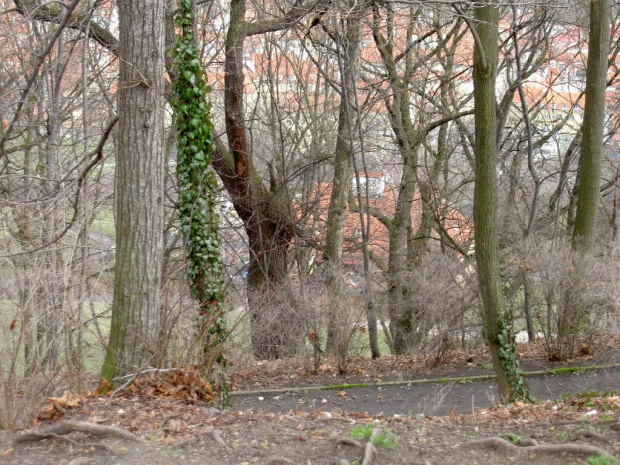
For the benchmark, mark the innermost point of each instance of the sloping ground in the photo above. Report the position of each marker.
(174, 423)
(177, 433)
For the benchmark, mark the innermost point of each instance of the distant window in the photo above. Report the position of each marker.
(565, 106)
(554, 106)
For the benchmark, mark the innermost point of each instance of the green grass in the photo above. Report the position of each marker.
(512, 438)
(562, 371)
(11, 341)
(104, 223)
(385, 438)
(602, 460)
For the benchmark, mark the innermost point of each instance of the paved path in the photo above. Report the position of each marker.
(435, 398)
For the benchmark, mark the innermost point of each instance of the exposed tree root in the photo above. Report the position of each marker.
(591, 434)
(350, 441)
(280, 461)
(184, 443)
(217, 437)
(81, 461)
(552, 448)
(70, 426)
(370, 450)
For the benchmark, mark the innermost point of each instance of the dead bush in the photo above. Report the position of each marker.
(568, 296)
(443, 298)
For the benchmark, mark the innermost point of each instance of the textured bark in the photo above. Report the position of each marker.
(265, 217)
(139, 183)
(593, 127)
(485, 191)
(265, 212)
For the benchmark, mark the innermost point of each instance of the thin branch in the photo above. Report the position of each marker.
(46, 51)
(474, 33)
(81, 178)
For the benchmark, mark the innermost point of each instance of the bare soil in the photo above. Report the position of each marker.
(432, 422)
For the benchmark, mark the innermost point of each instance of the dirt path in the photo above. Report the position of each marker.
(431, 399)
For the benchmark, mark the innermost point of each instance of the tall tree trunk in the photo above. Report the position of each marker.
(139, 182)
(265, 213)
(589, 176)
(593, 127)
(497, 324)
(338, 330)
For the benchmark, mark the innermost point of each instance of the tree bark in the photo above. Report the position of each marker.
(593, 127)
(139, 181)
(497, 324)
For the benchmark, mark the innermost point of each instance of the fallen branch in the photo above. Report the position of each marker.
(370, 447)
(70, 426)
(542, 448)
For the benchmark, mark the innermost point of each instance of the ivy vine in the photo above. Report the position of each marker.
(508, 355)
(509, 359)
(197, 190)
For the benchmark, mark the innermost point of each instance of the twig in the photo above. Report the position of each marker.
(35, 72)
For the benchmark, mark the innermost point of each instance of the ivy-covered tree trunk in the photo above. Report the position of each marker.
(139, 182)
(497, 322)
(197, 195)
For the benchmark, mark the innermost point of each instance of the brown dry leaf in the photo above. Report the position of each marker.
(342, 393)
(62, 401)
(48, 412)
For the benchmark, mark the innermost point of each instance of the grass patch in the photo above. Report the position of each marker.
(512, 438)
(602, 460)
(385, 438)
(561, 371)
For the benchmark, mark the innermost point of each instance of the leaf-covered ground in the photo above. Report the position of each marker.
(172, 417)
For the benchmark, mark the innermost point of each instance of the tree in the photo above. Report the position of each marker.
(264, 211)
(593, 127)
(139, 183)
(589, 176)
(338, 333)
(497, 322)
